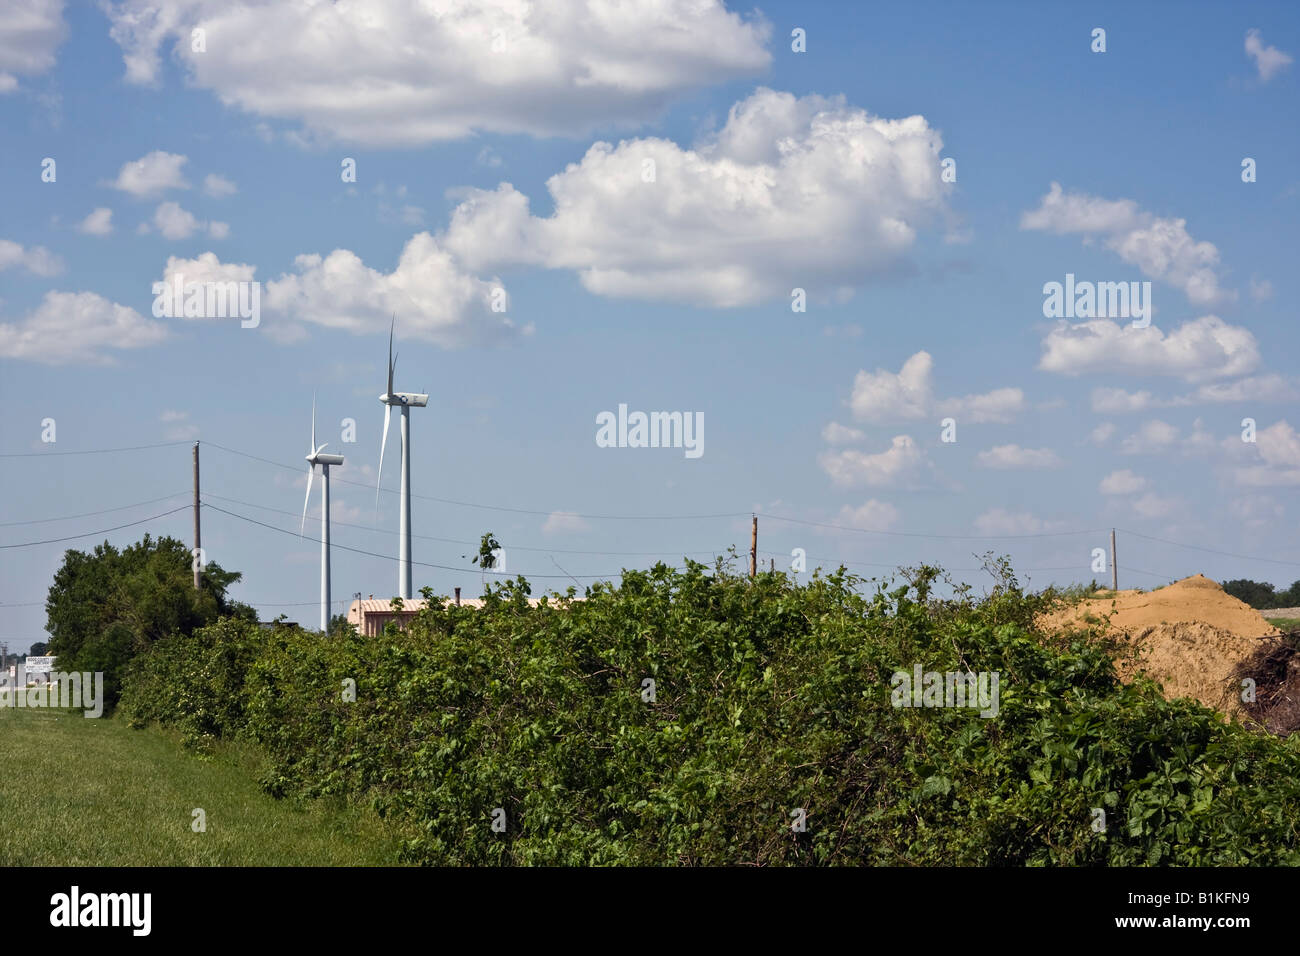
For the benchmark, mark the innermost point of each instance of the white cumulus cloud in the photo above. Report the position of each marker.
(384, 73)
(218, 186)
(1122, 482)
(1276, 454)
(903, 462)
(154, 173)
(433, 299)
(871, 515)
(37, 259)
(563, 522)
(1268, 59)
(30, 34)
(793, 192)
(1000, 521)
(1199, 350)
(1102, 433)
(78, 328)
(1161, 248)
(1009, 457)
(98, 223)
(836, 434)
(908, 395)
(175, 222)
(1158, 437)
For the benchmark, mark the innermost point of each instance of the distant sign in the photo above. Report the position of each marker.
(40, 665)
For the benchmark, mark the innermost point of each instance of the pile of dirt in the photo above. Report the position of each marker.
(1191, 637)
(1194, 600)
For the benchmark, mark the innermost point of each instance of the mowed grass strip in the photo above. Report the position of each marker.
(78, 792)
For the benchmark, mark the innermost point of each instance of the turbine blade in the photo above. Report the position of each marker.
(382, 445)
(311, 473)
(313, 421)
(390, 355)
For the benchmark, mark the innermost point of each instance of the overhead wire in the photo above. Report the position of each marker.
(91, 514)
(95, 451)
(429, 537)
(92, 534)
(585, 516)
(471, 504)
(389, 557)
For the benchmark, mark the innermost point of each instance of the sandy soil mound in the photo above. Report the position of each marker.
(1194, 600)
(1193, 660)
(1190, 636)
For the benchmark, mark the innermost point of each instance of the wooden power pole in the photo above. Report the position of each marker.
(753, 548)
(198, 540)
(1114, 568)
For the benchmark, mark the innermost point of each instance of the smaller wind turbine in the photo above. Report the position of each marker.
(314, 458)
(406, 401)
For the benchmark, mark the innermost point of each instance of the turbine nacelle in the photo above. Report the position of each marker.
(313, 459)
(413, 399)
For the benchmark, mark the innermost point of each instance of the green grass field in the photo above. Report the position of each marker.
(78, 792)
(1283, 623)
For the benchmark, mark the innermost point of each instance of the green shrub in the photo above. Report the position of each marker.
(768, 698)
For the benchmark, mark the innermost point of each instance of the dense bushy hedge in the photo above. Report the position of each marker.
(768, 697)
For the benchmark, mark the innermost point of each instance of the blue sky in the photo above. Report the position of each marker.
(775, 170)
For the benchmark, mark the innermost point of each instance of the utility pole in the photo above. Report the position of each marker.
(753, 548)
(1114, 568)
(198, 540)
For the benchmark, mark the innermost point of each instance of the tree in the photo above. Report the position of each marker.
(107, 606)
(38, 649)
(1258, 594)
(340, 626)
(486, 558)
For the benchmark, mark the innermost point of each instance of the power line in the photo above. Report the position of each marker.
(596, 517)
(92, 534)
(471, 504)
(1229, 554)
(917, 534)
(289, 603)
(738, 514)
(429, 537)
(822, 560)
(91, 514)
(389, 557)
(95, 451)
(1167, 577)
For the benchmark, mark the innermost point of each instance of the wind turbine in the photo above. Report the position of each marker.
(407, 401)
(314, 458)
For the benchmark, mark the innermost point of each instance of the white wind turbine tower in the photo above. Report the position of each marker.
(315, 458)
(407, 401)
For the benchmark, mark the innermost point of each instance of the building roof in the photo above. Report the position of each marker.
(380, 606)
(370, 615)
